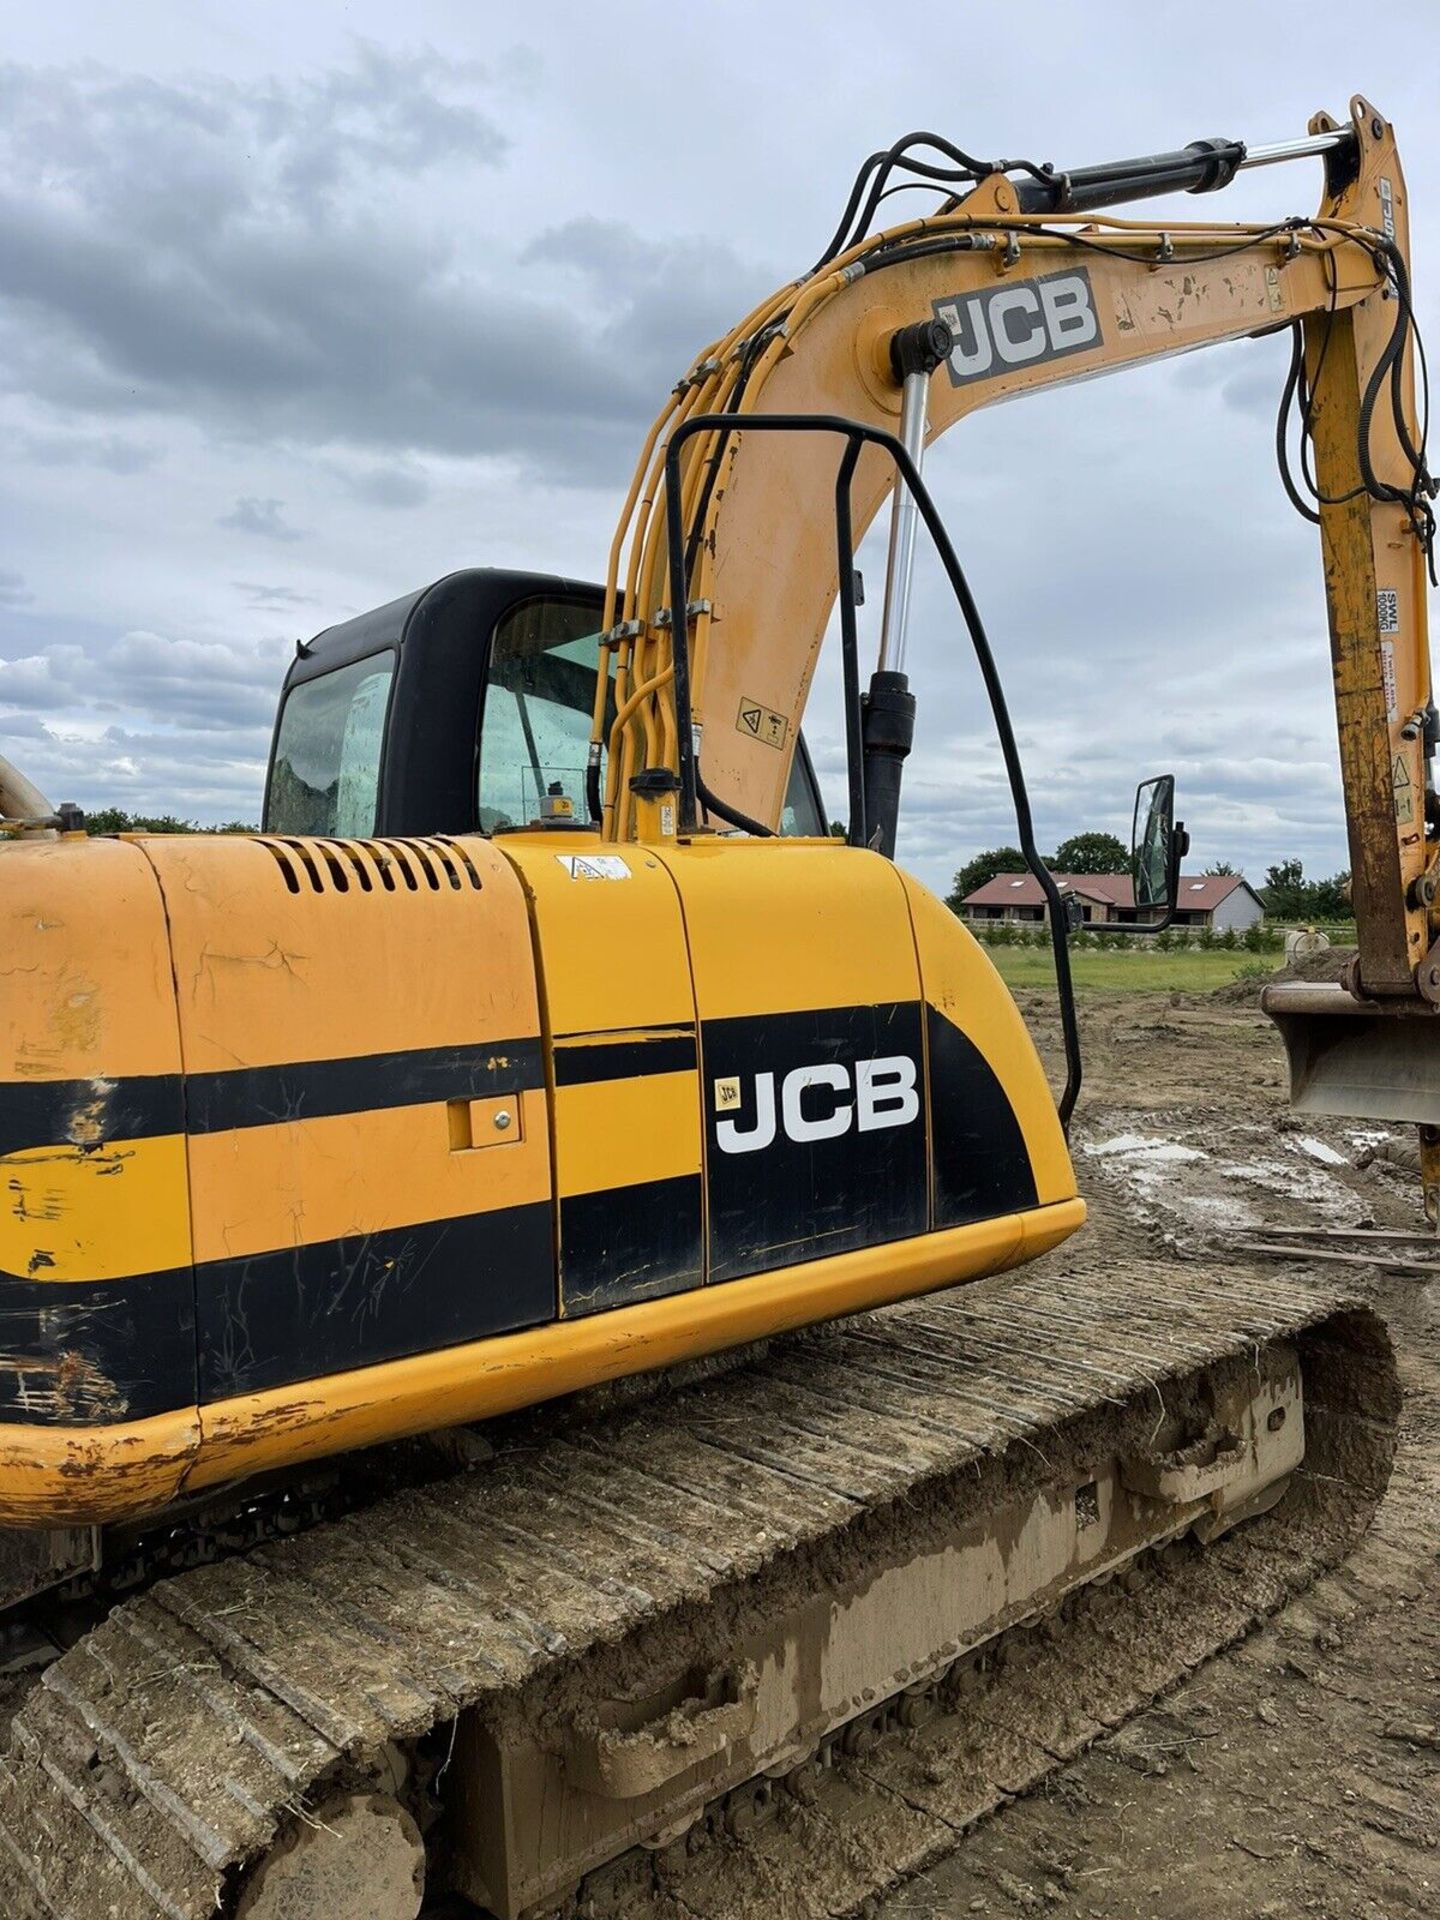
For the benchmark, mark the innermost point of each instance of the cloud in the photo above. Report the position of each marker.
(110, 451)
(265, 258)
(254, 515)
(258, 595)
(149, 772)
(13, 592)
(389, 486)
(150, 722)
(41, 681)
(199, 697)
(206, 685)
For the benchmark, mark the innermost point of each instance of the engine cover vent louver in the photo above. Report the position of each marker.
(372, 866)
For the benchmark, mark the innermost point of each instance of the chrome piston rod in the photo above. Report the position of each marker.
(1312, 144)
(904, 521)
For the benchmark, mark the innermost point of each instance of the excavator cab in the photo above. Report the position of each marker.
(463, 708)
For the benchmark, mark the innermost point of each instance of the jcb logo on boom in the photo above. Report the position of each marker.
(1020, 324)
(820, 1103)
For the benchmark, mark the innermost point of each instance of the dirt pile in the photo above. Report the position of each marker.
(1329, 965)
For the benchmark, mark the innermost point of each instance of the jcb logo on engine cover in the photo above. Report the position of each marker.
(1020, 323)
(815, 1133)
(819, 1103)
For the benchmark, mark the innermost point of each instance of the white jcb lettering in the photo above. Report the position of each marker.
(972, 353)
(1015, 321)
(1020, 324)
(815, 1126)
(885, 1094)
(733, 1139)
(1069, 314)
(814, 1103)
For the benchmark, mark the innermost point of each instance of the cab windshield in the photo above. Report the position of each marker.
(535, 728)
(535, 733)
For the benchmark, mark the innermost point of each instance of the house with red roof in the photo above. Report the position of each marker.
(1214, 900)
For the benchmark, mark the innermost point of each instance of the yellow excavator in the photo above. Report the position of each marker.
(545, 1046)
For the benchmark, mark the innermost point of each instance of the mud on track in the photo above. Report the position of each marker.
(1299, 1774)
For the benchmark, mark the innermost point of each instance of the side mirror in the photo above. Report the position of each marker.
(1157, 845)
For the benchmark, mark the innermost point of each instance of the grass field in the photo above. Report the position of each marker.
(1131, 969)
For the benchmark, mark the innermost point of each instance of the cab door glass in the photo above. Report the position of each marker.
(539, 698)
(326, 775)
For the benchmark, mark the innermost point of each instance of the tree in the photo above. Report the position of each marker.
(116, 820)
(1222, 869)
(1090, 853)
(1330, 899)
(1288, 895)
(1285, 893)
(984, 867)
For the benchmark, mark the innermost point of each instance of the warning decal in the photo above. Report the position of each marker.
(762, 723)
(594, 866)
(1404, 791)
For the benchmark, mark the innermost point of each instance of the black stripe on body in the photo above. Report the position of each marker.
(363, 1083)
(580, 1064)
(298, 1314)
(93, 1353)
(100, 1352)
(630, 1243)
(980, 1161)
(87, 1113)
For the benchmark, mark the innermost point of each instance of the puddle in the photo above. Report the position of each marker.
(1145, 1148)
(1196, 1185)
(1318, 1150)
(1229, 1210)
(1306, 1186)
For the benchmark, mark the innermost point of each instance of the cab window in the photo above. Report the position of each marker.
(535, 730)
(802, 816)
(326, 773)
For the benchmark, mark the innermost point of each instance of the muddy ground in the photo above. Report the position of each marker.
(1300, 1773)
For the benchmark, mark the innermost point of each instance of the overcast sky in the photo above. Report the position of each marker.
(304, 306)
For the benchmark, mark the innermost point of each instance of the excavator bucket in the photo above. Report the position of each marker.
(1366, 1059)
